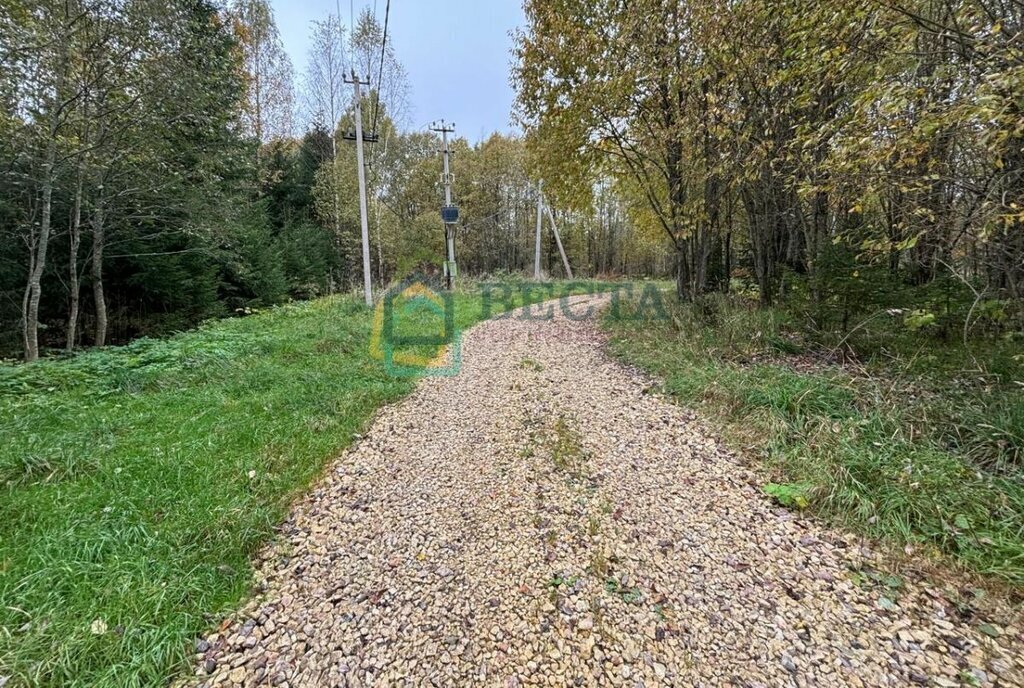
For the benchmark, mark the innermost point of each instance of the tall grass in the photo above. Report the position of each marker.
(136, 483)
(914, 444)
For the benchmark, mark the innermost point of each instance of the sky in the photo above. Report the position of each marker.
(456, 54)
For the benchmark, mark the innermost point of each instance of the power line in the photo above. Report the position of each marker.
(341, 46)
(380, 77)
(380, 73)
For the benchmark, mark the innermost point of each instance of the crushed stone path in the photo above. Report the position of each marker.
(543, 518)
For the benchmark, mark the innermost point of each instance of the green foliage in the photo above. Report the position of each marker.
(792, 496)
(308, 259)
(820, 145)
(918, 319)
(257, 271)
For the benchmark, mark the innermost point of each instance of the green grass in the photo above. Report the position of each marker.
(919, 442)
(566, 448)
(137, 483)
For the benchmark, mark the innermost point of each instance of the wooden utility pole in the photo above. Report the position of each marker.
(367, 284)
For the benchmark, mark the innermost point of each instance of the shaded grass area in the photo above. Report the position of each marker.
(137, 483)
(917, 442)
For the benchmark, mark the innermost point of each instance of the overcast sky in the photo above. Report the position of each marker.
(456, 53)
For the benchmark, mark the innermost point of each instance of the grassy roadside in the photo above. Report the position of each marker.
(919, 443)
(136, 483)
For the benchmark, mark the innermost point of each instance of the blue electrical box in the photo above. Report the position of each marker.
(450, 214)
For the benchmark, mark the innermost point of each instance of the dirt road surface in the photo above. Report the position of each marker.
(544, 519)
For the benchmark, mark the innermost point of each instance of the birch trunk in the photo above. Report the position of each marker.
(31, 317)
(74, 285)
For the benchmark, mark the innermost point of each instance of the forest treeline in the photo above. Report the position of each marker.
(161, 163)
(844, 156)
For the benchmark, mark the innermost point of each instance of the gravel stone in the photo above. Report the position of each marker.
(546, 518)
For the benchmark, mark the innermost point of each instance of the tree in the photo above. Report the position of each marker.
(625, 88)
(327, 94)
(881, 133)
(269, 98)
(126, 114)
(40, 47)
(375, 61)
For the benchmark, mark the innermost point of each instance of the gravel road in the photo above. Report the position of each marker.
(543, 518)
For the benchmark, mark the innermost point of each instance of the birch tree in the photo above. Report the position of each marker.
(270, 103)
(43, 50)
(326, 95)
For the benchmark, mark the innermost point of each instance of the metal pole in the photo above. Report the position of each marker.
(558, 241)
(447, 179)
(367, 286)
(540, 222)
(449, 230)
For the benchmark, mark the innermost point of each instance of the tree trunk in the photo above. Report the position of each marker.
(39, 259)
(727, 278)
(1011, 242)
(28, 287)
(74, 286)
(684, 272)
(98, 238)
(762, 242)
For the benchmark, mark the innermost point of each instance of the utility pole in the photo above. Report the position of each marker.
(543, 207)
(540, 221)
(558, 240)
(367, 286)
(449, 213)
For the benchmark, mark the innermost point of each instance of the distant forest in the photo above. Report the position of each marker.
(841, 157)
(161, 163)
